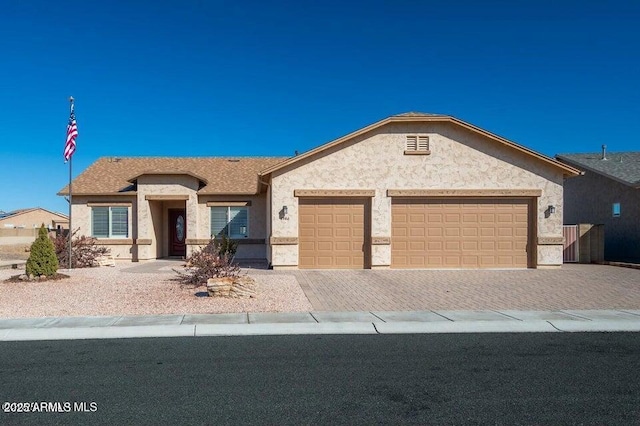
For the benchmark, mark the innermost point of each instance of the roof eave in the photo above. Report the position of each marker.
(170, 173)
(96, 194)
(634, 185)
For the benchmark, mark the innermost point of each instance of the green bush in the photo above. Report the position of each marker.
(42, 258)
(227, 247)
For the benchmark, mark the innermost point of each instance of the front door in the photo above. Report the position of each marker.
(177, 232)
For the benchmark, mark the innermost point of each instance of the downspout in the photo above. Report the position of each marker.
(268, 236)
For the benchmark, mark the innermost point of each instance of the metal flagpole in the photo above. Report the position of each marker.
(70, 191)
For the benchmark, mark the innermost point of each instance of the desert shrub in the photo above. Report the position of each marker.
(211, 261)
(84, 250)
(227, 246)
(42, 258)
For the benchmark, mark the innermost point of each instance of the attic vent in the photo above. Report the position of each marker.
(417, 144)
(114, 160)
(233, 160)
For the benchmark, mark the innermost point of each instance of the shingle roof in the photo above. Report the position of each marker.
(621, 166)
(109, 175)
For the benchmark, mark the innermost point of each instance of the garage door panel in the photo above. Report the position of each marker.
(416, 232)
(452, 245)
(505, 245)
(341, 233)
(417, 245)
(505, 232)
(435, 232)
(452, 232)
(470, 232)
(435, 217)
(331, 233)
(521, 232)
(488, 245)
(460, 233)
(469, 261)
(435, 245)
(470, 246)
(323, 219)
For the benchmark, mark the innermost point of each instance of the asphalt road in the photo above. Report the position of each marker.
(472, 379)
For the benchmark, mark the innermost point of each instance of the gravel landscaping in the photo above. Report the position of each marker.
(122, 290)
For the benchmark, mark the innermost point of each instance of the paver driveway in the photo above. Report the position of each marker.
(571, 287)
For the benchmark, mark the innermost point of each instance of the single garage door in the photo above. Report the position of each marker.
(460, 233)
(332, 233)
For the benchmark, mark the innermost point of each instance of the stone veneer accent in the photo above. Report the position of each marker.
(283, 240)
(547, 241)
(379, 241)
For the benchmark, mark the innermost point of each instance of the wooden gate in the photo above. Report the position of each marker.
(570, 253)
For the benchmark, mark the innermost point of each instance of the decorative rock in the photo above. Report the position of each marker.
(240, 287)
(23, 277)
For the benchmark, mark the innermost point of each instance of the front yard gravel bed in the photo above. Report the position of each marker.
(113, 291)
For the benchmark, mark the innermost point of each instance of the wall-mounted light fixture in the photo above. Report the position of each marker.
(552, 209)
(285, 210)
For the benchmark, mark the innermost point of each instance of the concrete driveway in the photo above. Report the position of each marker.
(571, 287)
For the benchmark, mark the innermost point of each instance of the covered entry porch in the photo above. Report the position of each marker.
(167, 227)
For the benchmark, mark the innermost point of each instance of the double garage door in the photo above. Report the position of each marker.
(425, 233)
(460, 233)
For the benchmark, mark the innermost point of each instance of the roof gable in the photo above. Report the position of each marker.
(417, 117)
(623, 167)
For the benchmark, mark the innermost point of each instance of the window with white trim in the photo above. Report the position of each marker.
(615, 209)
(231, 221)
(110, 222)
(417, 143)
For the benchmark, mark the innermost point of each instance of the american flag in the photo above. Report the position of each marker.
(72, 134)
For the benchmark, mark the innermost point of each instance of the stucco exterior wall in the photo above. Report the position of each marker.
(257, 223)
(459, 159)
(81, 220)
(590, 198)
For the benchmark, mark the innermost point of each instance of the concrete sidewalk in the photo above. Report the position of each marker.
(388, 322)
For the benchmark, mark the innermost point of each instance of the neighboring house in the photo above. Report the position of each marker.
(410, 191)
(608, 193)
(33, 218)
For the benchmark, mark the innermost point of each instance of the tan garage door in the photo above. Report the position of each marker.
(460, 233)
(332, 234)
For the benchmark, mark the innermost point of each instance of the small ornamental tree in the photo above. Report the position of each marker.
(42, 258)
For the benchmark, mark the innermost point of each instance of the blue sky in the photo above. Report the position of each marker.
(230, 78)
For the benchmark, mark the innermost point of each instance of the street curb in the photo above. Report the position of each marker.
(596, 326)
(335, 328)
(80, 333)
(284, 329)
(537, 326)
